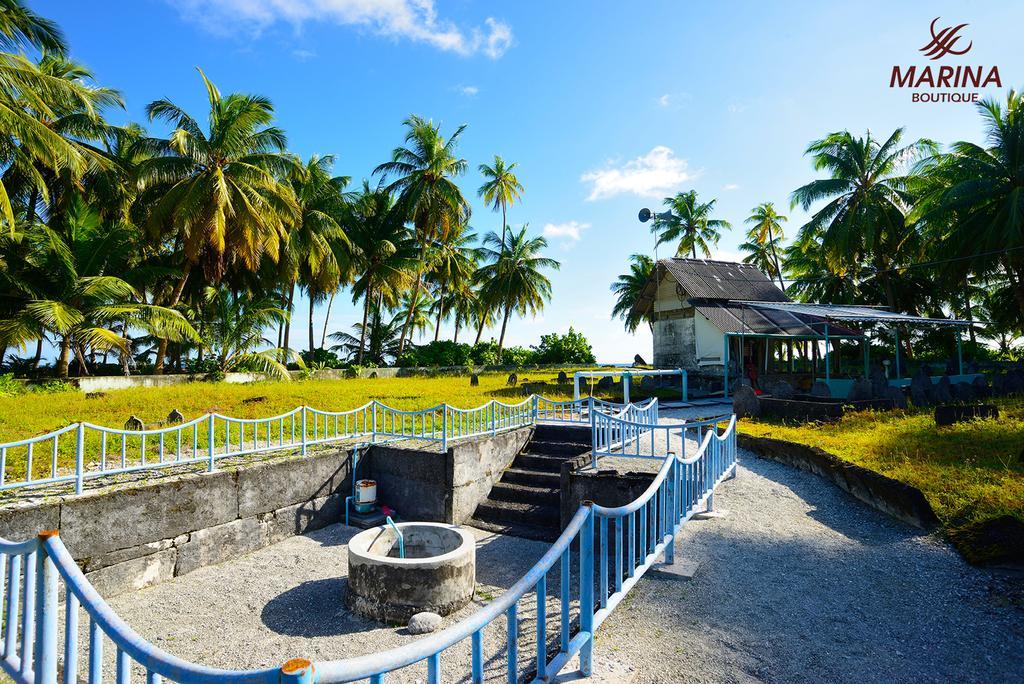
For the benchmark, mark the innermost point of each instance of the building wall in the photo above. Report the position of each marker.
(674, 333)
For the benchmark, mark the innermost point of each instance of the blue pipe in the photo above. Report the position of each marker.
(401, 537)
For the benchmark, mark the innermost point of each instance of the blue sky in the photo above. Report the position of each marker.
(606, 106)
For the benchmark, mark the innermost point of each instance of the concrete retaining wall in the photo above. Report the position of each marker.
(130, 536)
(890, 496)
(443, 487)
(604, 487)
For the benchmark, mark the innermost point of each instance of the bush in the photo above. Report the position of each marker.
(572, 348)
(440, 353)
(518, 356)
(485, 353)
(9, 386)
(322, 358)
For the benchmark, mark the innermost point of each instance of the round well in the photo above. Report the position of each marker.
(438, 573)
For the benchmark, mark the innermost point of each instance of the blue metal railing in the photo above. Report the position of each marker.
(98, 451)
(614, 548)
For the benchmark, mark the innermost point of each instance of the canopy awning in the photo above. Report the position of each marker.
(850, 312)
(735, 318)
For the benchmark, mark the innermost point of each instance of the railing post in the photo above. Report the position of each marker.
(587, 590)
(444, 428)
(536, 400)
(298, 671)
(673, 517)
(494, 425)
(373, 431)
(45, 666)
(686, 389)
(80, 457)
(210, 446)
(593, 433)
(303, 432)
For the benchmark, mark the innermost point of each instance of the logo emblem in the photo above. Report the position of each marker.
(944, 42)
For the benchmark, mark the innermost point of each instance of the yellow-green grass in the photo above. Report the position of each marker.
(970, 472)
(30, 414)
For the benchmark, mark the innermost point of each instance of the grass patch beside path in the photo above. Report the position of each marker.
(30, 414)
(971, 473)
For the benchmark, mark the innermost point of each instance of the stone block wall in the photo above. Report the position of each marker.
(675, 340)
(127, 537)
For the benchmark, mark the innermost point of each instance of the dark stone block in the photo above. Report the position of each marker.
(948, 414)
(820, 389)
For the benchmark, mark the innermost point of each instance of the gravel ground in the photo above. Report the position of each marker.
(799, 582)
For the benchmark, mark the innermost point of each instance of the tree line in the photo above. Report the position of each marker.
(120, 247)
(912, 226)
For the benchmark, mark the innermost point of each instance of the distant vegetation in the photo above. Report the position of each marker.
(913, 227)
(137, 251)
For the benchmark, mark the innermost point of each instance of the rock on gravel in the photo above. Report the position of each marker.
(424, 623)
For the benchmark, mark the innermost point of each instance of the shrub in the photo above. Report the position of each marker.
(439, 353)
(485, 353)
(572, 348)
(518, 356)
(322, 358)
(9, 386)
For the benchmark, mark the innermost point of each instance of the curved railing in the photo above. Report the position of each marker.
(85, 451)
(614, 546)
(632, 433)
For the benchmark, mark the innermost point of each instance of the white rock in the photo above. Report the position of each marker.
(424, 623)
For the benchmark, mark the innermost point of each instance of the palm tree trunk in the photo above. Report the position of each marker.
(412, 305)
(362, 331)
(39, 353)
(504, 323)
(63, 360)
(479, 331)
(161, 347)
(327, 318)
(312, 300)
(458, 321)
(440, 312)
(775, 255)
(288, 321)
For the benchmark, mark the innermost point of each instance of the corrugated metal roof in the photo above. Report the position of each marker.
(849, 312)
(706, 279)
(732, 317)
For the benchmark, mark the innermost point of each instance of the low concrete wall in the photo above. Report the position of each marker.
(126, 537)
(604, 487)
(107, 383)
(443, 487)
(890, 496)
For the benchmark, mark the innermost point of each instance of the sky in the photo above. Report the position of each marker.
(607, 107)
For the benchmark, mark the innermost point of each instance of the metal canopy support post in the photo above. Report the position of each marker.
(725, 366)
(867, 355)
(897, 334)
(625, 388)
(960, 351)
(827, 374)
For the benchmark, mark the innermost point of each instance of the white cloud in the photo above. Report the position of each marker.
(665, 100)
(303, 55)
(736, 108)
(569, 232)
(651, 175)
(468, 91)
(730, 186)
(414, 20)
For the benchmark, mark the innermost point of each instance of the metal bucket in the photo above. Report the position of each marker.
(366, 495)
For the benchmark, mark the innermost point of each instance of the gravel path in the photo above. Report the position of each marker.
(798, 583)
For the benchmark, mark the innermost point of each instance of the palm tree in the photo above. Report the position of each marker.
(21, 28)
(375, 341)
(385, 253)
(980, 205)
(765, 229)
(513, 279)
(452, 266)
(414, 309)
(319, 249)
(500, 189)
(235, 332)
(81, 302)
(628, 289)
(218, 194)
(428, 196)
(689, 222)
(864, 219)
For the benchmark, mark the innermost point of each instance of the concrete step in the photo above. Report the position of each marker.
(562, 433)
(533, 478)
(550, 448)
(543, 534)
(504, 491)
(511, 512)
(548, 464)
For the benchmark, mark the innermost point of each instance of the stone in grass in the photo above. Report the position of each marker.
(860, 390)
(948, 414)
(424, 623)
(745, 402)
(562, 378)
(134, 423)
(781, 390)
(899, 399)
(175, 417)
(474, 380)
(605, 383)
(513, 380)
(943, 390)
(820, 389)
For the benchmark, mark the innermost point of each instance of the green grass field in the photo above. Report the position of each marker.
(971, 473)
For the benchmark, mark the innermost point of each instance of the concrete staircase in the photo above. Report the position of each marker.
(525, 501)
